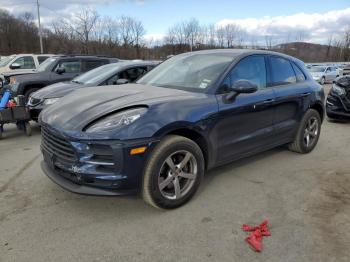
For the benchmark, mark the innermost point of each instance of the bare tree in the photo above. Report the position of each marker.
(83, 25)
(231, 31)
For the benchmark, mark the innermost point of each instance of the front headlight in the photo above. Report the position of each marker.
(50, 101)
(117, 120)
(338, 90)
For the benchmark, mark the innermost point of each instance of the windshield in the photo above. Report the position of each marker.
(194, 72)
(317, 69)
(6, 60)
(46, 65)
(97, 75)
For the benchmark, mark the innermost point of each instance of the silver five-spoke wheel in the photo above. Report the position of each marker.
(177, 175)
(311, 132)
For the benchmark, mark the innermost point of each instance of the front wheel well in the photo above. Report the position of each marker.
(28, 87)
(195, 137)
(319, 109)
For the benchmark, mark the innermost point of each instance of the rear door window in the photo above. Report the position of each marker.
(299, 74)
(282, 72)
(70, 66)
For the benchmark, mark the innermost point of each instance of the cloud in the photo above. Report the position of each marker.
(314, 27)
(51, 10)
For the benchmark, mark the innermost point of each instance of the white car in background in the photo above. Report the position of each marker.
(24, 62)
(324, 74)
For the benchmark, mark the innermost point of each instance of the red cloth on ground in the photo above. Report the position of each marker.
(258, 232)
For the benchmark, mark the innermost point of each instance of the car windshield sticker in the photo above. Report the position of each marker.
(205, 83)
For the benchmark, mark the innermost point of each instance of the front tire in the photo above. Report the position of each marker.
(173, 172)
(308, 133)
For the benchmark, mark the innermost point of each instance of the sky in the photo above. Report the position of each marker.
(314, 20)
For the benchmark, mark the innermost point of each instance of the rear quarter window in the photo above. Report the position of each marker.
(299, 73)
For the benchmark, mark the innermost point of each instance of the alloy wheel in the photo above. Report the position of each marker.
(177, 175)
(311, 132)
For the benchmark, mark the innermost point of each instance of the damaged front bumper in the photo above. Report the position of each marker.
(338, 106)
(93, 167)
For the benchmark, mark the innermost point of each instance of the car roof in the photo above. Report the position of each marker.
(242, 52)
(125, 64)
(86, 57)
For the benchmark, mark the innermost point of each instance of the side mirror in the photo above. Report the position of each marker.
(122, 81)
(241, 87)
(60, 70)
(15, 66)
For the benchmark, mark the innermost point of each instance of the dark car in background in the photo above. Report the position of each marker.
(53, 70)
(338, 99)
(191, 113)
(111, 74)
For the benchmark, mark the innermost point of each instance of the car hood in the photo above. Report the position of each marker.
(56, 90)
(74, 112)
(343, 82)
(36, 76)
(19, 72)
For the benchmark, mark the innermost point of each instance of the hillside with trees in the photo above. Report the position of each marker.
(124, 37)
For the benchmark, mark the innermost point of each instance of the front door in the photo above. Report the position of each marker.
(245, 124)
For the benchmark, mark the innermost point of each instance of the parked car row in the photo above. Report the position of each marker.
(53, 70)
(110, 74)
(324, 74)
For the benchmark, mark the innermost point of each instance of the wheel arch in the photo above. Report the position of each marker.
(30, 86)
(196, 137)
(319, 108)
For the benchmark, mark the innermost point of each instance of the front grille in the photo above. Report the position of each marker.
(58, 146)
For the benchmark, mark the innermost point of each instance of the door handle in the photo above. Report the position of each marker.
(268, 101)
(264, 103)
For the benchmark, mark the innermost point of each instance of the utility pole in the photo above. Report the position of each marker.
(40, 34)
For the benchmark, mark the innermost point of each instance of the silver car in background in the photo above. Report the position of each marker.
(324, 74)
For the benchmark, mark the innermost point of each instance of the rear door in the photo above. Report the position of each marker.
(291, 90)
(245, 125)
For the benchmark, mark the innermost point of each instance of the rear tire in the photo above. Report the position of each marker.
(29, 92)
(173, 172)
(308, 133)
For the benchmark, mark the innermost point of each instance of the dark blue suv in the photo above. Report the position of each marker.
(193, 112)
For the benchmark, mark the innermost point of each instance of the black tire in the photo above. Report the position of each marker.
(28, 128)
(169, 147)
(29, 92)
(299, 144)
(0, 132)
